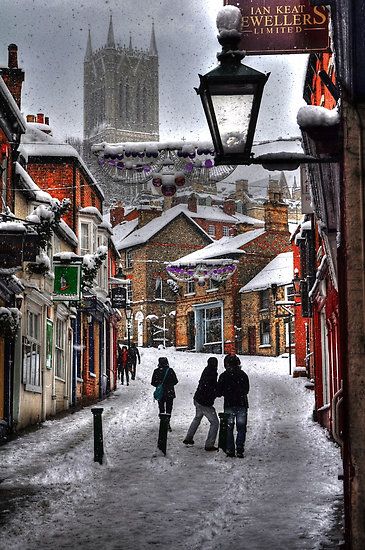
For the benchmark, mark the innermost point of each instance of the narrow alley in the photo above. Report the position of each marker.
(284, 494)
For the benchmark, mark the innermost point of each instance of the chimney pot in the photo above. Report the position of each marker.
(13, 56)
(46, 120)
(40, 118)
(31, 118)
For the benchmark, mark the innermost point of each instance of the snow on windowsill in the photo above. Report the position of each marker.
(265, 346)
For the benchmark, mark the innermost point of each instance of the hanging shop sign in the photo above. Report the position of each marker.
(119, 297)
(89, 304)
(67, 279)
(277, 26)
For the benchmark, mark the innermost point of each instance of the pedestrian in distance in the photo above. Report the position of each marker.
(123, 364)
(234, 385)
(165, 375)
(204, 405)
(134, 355)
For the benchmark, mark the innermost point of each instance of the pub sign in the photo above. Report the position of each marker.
(119, 297)
(67, 278)
(282, 26)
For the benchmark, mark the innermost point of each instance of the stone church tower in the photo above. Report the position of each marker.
(121, 97)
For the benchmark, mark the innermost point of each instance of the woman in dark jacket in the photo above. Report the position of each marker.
(203, 400)
(165, 404)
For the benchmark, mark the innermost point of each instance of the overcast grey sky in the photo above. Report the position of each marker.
(52, 34)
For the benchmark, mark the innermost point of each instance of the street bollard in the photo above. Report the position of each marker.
(223, 423)
(162, 434)
(98, 435)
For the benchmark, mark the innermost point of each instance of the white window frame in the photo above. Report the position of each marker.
(226, 231)
(159, 289)
(190, 287)
(32, 341)
(211, 230)
(85, 247)
(265, 337)
(102, 276)
(60, 332)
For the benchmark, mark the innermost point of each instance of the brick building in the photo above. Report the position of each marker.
(209, 317)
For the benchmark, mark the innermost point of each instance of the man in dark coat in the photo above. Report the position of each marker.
(204, 400)
(233, 385)
(165, 404)
(134, 355)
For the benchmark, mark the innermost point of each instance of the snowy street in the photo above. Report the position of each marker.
(281, 496)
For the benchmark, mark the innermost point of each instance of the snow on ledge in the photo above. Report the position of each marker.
(313, 115)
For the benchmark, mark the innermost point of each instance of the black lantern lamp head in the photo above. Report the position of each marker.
(128, 312)
(231, 96)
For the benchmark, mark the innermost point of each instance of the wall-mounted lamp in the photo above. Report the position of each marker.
(296, 282)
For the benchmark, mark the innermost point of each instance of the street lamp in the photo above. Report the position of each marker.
(296, 282)
(128, 316)
(231, 94)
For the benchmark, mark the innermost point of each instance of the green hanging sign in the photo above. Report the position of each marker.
(67, 278)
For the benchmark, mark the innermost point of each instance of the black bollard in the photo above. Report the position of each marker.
(223, 423)
(162, 434)
(98, 435)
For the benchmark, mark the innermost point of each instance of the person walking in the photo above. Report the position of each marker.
(166, 375)
(123, 364)
(234, 385)
(134, 355)
(204, 400)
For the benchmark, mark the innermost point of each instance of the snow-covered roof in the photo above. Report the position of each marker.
(142, 235)
(36, 143)
(223, 247)
(122, 230)
(4, 90)
(278, 271)
(43, 197)
(91, 211)
(242, 218)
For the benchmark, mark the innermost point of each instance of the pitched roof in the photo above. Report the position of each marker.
(144, 234)
(35, 143)
(278, 271)
(223, 247)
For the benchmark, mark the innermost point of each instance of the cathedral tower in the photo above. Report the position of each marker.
(121, 93)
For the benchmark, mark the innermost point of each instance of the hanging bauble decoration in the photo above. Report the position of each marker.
(179, 179)
(168, 190)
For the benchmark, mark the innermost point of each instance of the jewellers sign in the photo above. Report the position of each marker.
(286, 26)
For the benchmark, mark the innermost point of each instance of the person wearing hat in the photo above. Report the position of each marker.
(234, 385)
(166, 375)
(204, 400)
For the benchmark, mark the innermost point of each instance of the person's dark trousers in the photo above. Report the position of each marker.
(238, 414)
(134, 365)
(126, 371)
(166, 404)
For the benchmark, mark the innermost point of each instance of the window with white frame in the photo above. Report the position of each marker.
(226, 231)
(265, 332)
(213, 324)
(32, 351)
(211, 230)
(128, 258)
(85, 238)
(190, 287)
(159, 289)
(213, 285)
(60, 334)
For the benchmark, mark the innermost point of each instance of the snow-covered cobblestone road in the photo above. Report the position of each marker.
(282, 496)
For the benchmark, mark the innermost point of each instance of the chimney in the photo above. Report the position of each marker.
(241, 188)
(46, 120)
(229, 207)
(193, 203)
(12, 75)
(40, 118)
(31, 118)
(146, 214)
(276, 216)
(116, 215)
